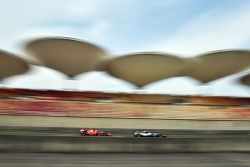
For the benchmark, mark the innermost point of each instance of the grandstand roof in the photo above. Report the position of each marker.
(67, 55)
(143, 68)
(245, 80)
(11, 65)
(214, 65)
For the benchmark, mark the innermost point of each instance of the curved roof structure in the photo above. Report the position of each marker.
(245, 80)
(67, 55)
(218, 64)
(11, 65)
(143, 68)
(189, 65)
(31, 60)
(103, 63)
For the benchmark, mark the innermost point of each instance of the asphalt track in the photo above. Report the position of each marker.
(132, 137)
(123, 160)
(171, 136)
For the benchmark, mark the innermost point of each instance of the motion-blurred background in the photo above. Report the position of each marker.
(181, 68)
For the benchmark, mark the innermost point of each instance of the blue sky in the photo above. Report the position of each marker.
(182, 27)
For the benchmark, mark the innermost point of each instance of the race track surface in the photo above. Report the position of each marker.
(123, 160)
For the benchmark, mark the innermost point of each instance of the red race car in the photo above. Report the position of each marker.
(93, 132)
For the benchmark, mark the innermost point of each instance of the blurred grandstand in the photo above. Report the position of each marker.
(70, 104)
(139, 69)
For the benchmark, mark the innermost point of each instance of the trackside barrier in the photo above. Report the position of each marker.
(22, 143)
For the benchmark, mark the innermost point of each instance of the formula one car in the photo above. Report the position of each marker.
(93, 132)
(147, 134)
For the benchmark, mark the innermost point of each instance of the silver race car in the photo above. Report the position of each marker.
(147, 134)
